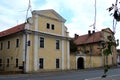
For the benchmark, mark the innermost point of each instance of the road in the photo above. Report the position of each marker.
(63, 75)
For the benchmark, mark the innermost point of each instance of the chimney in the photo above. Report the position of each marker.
(76, 36)
(89, 32)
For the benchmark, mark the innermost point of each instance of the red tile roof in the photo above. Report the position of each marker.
(13, 30)
(85, 39)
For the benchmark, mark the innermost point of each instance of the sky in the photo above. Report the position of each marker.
(79, 14)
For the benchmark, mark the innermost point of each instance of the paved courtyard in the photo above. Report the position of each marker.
(112, 77)
(89, 74)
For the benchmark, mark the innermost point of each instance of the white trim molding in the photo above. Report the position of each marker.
(83, 58)
(63, 30)
(36, 45)
(27, 26)
(68, 55)
(62, 54)
(23, 47)
(63, 47)
(35, 52)
(26, 52)
(36, 23)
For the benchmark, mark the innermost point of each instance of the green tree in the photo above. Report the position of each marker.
(116, 13)
(73, 46)
(107, 51)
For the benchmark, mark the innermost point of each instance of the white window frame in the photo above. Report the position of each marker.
(43, 43)
(56, 44)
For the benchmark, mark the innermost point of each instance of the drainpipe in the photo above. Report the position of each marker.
(24, 63)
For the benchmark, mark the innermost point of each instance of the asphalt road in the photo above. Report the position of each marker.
(64, 75)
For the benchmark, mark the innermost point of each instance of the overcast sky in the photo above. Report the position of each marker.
(78, 13)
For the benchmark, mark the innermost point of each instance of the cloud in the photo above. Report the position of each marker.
(11, 14)
(78, 13)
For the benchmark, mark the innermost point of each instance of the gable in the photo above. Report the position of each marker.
(52, 15)
(106, 33)
(49, 14)
(108, 30)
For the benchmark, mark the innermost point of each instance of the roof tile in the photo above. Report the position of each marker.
(85, 39)
(12, 30)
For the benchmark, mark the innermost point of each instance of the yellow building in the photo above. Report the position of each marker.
(90, 50)
(40, 44)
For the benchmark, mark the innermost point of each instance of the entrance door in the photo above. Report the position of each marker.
(80, 63)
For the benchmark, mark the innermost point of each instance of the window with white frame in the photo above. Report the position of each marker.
(57, 44)
(41, 42)
(57, 63)
(41, 63)
(29, 43)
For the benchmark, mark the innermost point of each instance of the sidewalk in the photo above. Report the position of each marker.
(113, 77)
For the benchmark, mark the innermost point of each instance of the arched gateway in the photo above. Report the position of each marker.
(80, 63)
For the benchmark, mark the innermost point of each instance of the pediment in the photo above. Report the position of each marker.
(50, 13)
(108, 30)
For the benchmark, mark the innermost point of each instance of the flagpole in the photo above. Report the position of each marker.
(95, 17)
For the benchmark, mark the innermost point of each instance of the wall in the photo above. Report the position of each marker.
(12, 53)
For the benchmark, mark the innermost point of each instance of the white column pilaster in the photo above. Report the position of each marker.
(62, 54)
(63, 47)
(23, 47)
(36, 44)
(27, 55)
(26, 50)
(68, 55)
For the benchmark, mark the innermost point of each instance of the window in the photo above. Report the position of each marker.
(57, 63)
(41, 42)
(29, 43)
(17, 42)
(48, 26)
(8, 61)
(41, 63)
(8, 46)
(0, 62)
(57, 44)
(1, 46)
(16, 62)
(52, 27)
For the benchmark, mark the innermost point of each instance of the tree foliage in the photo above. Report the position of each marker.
(73, 46)
(107, 51)
(116, 13)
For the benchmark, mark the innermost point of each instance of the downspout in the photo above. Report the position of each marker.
(25, 61)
